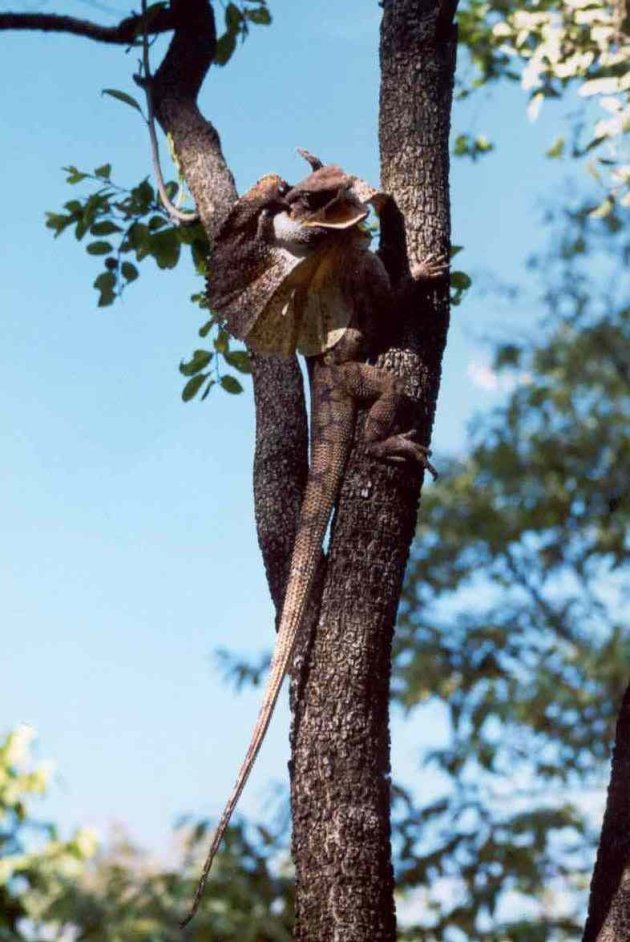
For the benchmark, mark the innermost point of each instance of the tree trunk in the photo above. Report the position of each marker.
(609, 901)
(340, 736)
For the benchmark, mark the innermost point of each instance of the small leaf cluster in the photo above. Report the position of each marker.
(472, 146)
(205, 368)
(124, 224)
(238, 18)
(554, 45)
(125, 896)
(56, 889)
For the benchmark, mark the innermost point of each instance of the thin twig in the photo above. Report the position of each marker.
(177, 215)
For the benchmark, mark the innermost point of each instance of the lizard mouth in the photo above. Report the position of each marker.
(341, 212)
(329, 198)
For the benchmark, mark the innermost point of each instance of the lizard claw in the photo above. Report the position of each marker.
(401, 448)
(431, 268)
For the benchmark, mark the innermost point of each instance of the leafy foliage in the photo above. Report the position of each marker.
(552, 46)
(57, 889)
(238, 18)
(513, 617)
(126, 224)
(125, 896)
(35, 864)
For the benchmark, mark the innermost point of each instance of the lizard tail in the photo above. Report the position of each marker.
(274, 682)
(328, 461)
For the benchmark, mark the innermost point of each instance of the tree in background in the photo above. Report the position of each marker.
(50, 887)
(514, 615)
(35, 864)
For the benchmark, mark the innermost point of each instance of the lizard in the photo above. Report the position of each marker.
(292, 270)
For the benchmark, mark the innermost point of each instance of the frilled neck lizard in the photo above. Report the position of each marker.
(292, 270)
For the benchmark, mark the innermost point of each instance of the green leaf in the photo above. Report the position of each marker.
(104, 228)
(144, 195)
(557, 148)
(74, 175)
(193, 386)
(233, 18)
(460, 280)
(165, 247)
(201, 300)
(99, 248)
(197, 362)
(239, 359)
(57, 222)
(157, 222)
(199, 252)
(105, 284)
(231, 384)
(225, 46)
(465, 145)
(206, 328)
(222, 341)
(122, 96)
(104, 171)
(138, 237)
(129, 271)
(261, 16)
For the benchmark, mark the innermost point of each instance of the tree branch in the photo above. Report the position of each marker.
(174, 89)
(125, 33)
(177, 215)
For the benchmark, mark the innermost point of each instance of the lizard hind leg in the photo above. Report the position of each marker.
(371, 383)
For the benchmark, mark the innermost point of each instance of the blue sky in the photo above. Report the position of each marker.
(127, 551)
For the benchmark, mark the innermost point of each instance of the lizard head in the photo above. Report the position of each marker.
(328, 200)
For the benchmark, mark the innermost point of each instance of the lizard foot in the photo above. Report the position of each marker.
(402, 448)
(431, 268)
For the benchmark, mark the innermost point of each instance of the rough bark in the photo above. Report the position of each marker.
(609, 902)
(340, 764)
(280, 464)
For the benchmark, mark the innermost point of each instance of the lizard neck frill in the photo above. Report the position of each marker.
(332, 426)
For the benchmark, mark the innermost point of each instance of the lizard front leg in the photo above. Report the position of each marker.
(365, 383)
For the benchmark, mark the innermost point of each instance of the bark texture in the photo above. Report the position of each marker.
(609, 902)
(340, 765)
